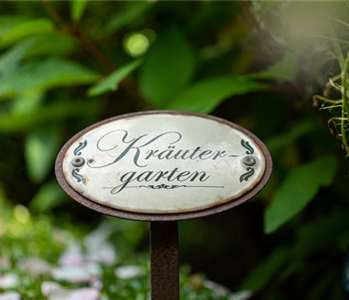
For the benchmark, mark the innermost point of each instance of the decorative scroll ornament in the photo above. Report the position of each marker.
(247, 146)
(162, 186)
(82, 145)
(248, 161)
(77, 176)
(247, 175)
(77, 161)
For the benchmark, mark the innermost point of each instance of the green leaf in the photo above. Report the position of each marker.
(297, 190)
(206, 95)
(23, 29)
(267, 270)
(324, 287)
(10, 60)
(27, 101)
(41, 148)
(26, 120)
(77, 8)
(322, 232)
(44, 75)
(9, 22)
(284, 70)
(110, 83)
(299, 130)
(49, 196)
(129, 15)
(54, 43)
(168, 67)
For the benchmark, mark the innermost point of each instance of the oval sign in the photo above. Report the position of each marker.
(163, 165)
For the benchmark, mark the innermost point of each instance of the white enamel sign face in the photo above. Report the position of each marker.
(163, 163)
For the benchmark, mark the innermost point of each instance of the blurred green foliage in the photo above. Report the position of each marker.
(25, 238)
(66, 65)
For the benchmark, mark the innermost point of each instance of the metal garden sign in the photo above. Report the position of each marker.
(162, 167)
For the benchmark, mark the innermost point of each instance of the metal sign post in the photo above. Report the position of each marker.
(164, 260)
(163, 167)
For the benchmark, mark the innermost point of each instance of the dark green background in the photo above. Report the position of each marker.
(64, 66)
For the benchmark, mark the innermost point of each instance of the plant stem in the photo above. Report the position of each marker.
(251, 19)
(95, 51)
(345, 107)
(88, 45)
(54, 15)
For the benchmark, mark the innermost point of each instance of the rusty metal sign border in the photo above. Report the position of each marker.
(162, 217)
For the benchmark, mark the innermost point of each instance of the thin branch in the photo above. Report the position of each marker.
(95, 51)
(87, 44)
(326, 100)
(330, 107)
(329, 38)
(340, 21)
(54, 15)
(345, 108)
(254, 22)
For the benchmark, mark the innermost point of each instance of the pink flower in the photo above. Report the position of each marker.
(9, 281)
(10, 296)
(78, 274)
(34, 266)
(4, 263)
(54, 291)
(128, 272)
(72, 256)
